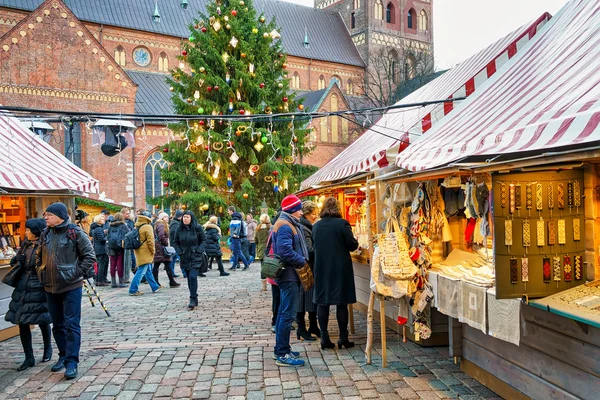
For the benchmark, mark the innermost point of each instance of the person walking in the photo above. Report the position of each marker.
(310, 212)
(144, 255)
(64, 259)
(116, 253)
(189, 243)
(333, 241)
(173, 226)
(28, 304)
(288, 243)
(251, 226)
(161, 235)
(236, 231)
(98, 232)
(260, 239)
(213, 244)
(128, 256)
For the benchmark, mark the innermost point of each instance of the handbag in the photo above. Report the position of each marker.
(272, 266)
(306, 277)
(394, 258)
(169, 251)
(13, 276)
(204, 266)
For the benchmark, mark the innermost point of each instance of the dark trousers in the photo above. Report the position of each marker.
(26, 341)
(192, 278)
(219, 260)
(341, 311)
(116, 264)
(167, 269)
(276, 300)
(102, 267)
(65, 310)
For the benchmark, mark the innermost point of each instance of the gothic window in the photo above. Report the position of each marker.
(423, 22)
(389, 13)
(352, 21)
(154, 183)
(356, 4)
(323, 128)
(163, 62)
(120, 55)
(321, 83)
(335, 135)
(295, 81)
(378, 10)
(349, 87)
(411, 18)
(73, 142)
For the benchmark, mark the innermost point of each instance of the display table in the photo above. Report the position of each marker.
(7, 330)
(582, 303)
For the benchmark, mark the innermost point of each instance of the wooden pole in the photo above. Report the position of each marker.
(369, 346)
(383, 333)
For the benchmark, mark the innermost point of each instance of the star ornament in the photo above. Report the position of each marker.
(274, 34)
(225, 57)
(233, 42)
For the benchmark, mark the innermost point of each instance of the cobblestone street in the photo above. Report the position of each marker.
(152, 347)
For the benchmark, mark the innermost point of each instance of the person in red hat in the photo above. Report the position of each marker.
(287, 241)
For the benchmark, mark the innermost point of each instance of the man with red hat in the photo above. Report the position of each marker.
(287, 241)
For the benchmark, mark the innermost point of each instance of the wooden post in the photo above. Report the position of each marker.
(351, 318)
(369, 346)
(383, 335)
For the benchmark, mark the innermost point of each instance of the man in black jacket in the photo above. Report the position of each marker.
(62, 265)
(175, 222)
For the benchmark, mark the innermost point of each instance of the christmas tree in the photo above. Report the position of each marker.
(240, 150)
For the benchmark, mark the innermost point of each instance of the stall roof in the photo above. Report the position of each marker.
(29, 163)
(379, 145)
(547, 97)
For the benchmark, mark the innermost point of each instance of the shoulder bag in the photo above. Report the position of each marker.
(395, 260)
(272, 266)
(14, 274)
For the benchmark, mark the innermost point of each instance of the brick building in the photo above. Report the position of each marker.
(113, 57)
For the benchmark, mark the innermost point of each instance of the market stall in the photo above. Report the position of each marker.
(32, 175)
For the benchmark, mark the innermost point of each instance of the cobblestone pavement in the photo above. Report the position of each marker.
(152, 347)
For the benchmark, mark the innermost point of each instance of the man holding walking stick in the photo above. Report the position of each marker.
(65, 258)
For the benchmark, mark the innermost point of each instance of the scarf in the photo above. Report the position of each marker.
(296, 223)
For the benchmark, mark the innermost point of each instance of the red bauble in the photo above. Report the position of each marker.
(203, 29)
(230, 144)
(284, 65)
(206, 147)
(242, 112)
(209, 88)
(285, 99)
(166, 150)
(166, 184)
(233, 12)
(201, 122)
(191, 161)
(262, 85)
(275, 172)
(216, 87)
(184, 53)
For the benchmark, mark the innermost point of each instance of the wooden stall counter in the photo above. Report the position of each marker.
(7, 330)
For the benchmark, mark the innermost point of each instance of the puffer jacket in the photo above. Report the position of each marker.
(97, 233)
(251, 227)
(213, 236)
(28, 301)
(63, 262)
(262, 234)
(189, 244)
(122, 226)
(161, 237)
(173, 226)
(145, 254)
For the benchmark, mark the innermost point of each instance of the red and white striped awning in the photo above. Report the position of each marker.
(379, 146)
(29, 163)
(546, 97)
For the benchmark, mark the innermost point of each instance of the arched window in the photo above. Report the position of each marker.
(324, 136)
(120, 55)
(389, 13)
(335, 134)
(378, 10)
(349, 87)
(163, 62)
(411, 18)
(423, 22)
(321, 83)
(352, 21)
(356, 4)
(154, 183)
(295, 81)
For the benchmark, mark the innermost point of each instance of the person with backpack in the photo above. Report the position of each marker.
(161, 235)
(173, 225)
(98, 232)
(64, 259)
(213, 243)
(236, 231)
(190, 242)
(116, 233)
(141, 241)
(129, 257)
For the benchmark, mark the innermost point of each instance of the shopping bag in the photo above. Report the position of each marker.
(395, 260)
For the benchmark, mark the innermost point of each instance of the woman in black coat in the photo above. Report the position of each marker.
(333, 241)
(213, 243)
(99, 232)
(28, 301)
(189, 244)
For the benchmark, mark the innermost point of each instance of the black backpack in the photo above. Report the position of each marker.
(115, 238)
(132, 240)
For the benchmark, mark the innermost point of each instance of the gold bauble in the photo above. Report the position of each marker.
(266, 35)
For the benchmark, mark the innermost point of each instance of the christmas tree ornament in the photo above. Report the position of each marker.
(217, 26)
(196, 26)
(284, 65)
(228, 27)
(206, 147)
(233, 13)
(225, 57)
(242, 112)
(285, 99)
(201, 122)
(275, 172)
(243, 55)
(171, 89)
(259, 146)
(268, 110)
(181, 66)
(238, 133)
(165, 150)
(216, 88)
(274, 34)
(285, 184)
(238, 95)
(264, 139)
(200, 167)
(234, 157)
(203, 29)
(242, 2)
(289, 160)
(184, 53)
(268, 179)
(192, 39)
(219, 10)
(217, 146)
(197, 94)
(166, 184)
(203, 70)
(246, 9)
(227, 77)
(226, 18)
(251, 68)
(300, 107)
(233, 42)
(276, 186)
(189, 100)
(191, 161)
(217, 169)
(266, 35)
(254, 31)
(280, 85)
(253, 169)
(261, 85)
(200, 110)
(209, 88)
(295, 139)
(229, 181)
(262, 19)
(230, 108)
(194, 148)
(245, 195)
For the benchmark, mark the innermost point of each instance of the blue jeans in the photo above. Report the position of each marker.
(236, 247)
(174, 260)
(192, 278)
(252, 251)
(286, 315)
(146, 271)
(65, 311)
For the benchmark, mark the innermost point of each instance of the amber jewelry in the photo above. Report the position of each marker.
(577, 267)
(525, 269)
(511, 198)
(503, 195)
(550, 196)
(518, 196)
(539, 203)
(556, 268)
(526, 233)
(570, 194)
(529, 196)
(508, 232)
(576, 229)
(541, 232)
(576, 194)
(514, 271)
(551, 233)
(560, 198)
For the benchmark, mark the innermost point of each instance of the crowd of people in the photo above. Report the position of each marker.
(57, 256)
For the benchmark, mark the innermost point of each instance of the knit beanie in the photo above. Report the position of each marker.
(178, 214)
(162, 215)
(58, 209)
(290, 204)
(36, 225)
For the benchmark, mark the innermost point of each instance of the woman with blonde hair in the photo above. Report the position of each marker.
(213, 243)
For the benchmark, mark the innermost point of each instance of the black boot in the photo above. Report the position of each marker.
(172, 282)
(342, 319)
(46, 335)
(113, 282)
(192, 303)
(323, 316)
(25, 334)
(221, 268)
(313, 327)
(301, 332)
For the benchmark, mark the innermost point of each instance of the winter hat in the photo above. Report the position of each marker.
(58, 209)
(162, 215)
(178, 214)
(290, 204)
(36, 225)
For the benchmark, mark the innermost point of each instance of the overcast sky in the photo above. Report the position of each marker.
(463, 27)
